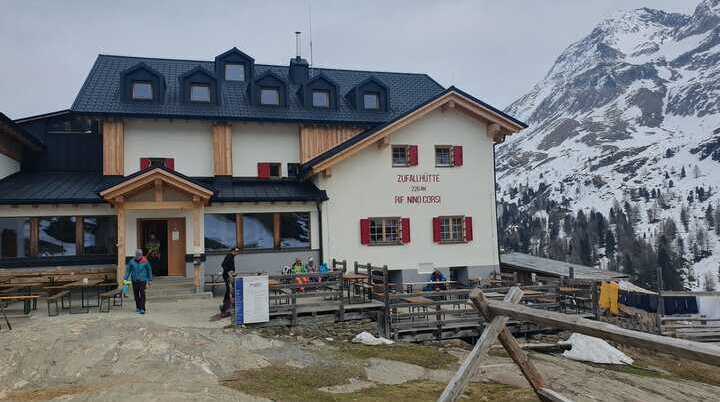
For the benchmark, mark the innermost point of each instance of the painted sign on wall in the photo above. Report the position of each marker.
(418, 190)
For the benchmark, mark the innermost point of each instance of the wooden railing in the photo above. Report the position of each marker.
(311, 292)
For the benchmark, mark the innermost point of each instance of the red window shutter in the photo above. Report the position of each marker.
(457, 155)
(365, 231)
(412, 155)
(468, 229)
(405, 222)
(170, 163)
(144, 163)
(263, 170)
(436, 230)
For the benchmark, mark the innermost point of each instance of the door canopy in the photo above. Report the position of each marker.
(166, 190)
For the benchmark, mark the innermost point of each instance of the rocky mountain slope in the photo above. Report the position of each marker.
(633, 106)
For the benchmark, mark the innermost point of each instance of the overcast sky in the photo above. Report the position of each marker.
(495, 50)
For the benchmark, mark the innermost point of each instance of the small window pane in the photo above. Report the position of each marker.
(100, 235)
(275, 170)
(258, 231)
(384, 230)
(14, 237)
(142, 90)
(451, 228)
(321, 99)
(295, 230)
(234, 72)
(443, 156)
(269, 96)
(371, 100)
(220, 231)
(400, 156)
(200, 93)
(57, 236)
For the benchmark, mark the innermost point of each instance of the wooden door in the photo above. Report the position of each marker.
(176, 246)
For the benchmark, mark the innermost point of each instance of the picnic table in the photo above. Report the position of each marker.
(83, 286)
(409, 286)
(352, 279)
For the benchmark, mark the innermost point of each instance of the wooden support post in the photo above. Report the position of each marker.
(681, 348)
(197, 221)
(79, 235)
(510, 344)
(276, 231)
(158, 190)
(121, 229)
(460, 380)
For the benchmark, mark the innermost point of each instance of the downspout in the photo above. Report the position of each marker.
(320, 231)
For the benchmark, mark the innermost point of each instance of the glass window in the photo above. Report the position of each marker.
(269, 96)
(57, 236)
(371, 100)
(275, 169)
(234, 72)
(295, 230)
(100, 235)
(451, 228)
(258, 231)
(321, 98)
(199, 93)
(220, 231)
(400, 155)
(384, 230)
(142, 90)
(14, 237)
(443, 155)
(293, 169)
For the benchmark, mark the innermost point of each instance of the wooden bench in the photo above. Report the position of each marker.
(53, 300)
(114, 294)
(28, 301)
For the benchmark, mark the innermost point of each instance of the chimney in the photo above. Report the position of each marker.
(299, 67)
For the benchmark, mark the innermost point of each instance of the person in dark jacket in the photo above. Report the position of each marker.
(138, 270)
(228, 266)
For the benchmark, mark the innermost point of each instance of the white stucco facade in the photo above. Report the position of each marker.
(8, 166)
(189, 142)
(254, 142)
(366, 185)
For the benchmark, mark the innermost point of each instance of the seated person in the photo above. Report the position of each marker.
(438, 277)
(299, 268)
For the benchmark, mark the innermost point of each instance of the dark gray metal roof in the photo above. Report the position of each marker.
(101, 94)
(527, 262)
(11, 128)
(26, 188)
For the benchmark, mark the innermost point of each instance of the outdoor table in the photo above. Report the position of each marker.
(411, 285)
(353, 279)
(83, 286)
(530, 292)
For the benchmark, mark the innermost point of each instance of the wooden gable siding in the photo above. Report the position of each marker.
(316, 139)
(222, 149)
(113, 147)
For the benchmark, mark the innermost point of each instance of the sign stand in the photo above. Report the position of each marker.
(252, 303)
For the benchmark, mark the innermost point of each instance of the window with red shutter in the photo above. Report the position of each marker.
(263, 170)
(413, 155)
(405, 228)
(436, 230)
(170, 163)
(144, 163)
(457, 155)
(365, 231)
(468, 229)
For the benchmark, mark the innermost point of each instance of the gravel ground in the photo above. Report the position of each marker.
(176, 353)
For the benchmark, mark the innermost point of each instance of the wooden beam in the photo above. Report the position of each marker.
(677, 347)
(158, 184)
(460, 380)
(197, 222)
(509, 342)
(113, 147)
(121, 229)
(276, 230)
(154, 205)
(34, 236)
(549, 395)
(383, 142)
(327, 172)
(239, 234)
(222, 149)
(79, 235)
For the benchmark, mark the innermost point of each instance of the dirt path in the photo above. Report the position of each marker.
(176, 354)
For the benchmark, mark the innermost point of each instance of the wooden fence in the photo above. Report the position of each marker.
(291, 295)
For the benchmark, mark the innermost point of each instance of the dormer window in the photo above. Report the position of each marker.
(321, 98)
(269, 96)
(371, 100)
(234, 72)
(200, 93)
(142, 90)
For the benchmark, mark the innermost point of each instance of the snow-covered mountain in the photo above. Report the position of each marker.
(634, 105)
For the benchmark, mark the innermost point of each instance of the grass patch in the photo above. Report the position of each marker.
(289, 384)
(421, 355)
(678, 368)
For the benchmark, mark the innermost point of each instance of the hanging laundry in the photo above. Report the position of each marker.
(681, 305)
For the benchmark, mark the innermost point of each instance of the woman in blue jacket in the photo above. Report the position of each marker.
(138, 270)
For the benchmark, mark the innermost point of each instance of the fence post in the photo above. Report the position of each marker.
(342, 299)
(595, 300)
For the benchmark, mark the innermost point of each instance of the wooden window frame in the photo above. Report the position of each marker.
(277, 236)
(79, 236)
(449, 149)
(384, 226)
(449, 219)
(405, 148)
